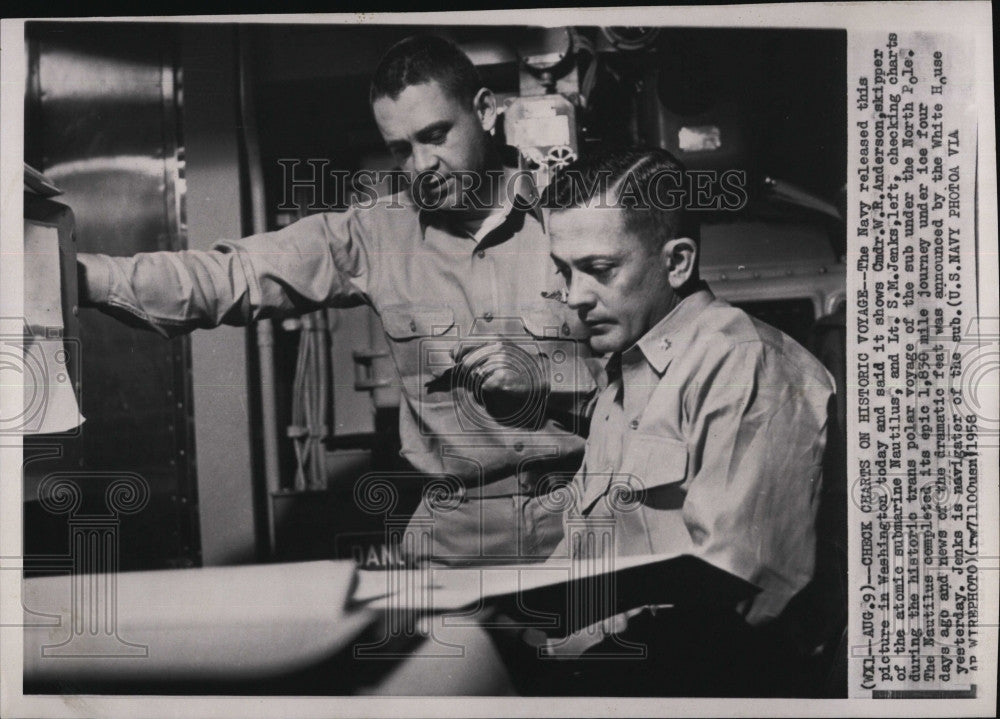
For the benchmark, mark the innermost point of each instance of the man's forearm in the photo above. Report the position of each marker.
(319, 261)
(93, 279)
(170, 292)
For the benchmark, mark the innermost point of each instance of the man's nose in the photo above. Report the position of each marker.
(424, 159)
(579, 296)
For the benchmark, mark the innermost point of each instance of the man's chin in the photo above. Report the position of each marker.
(446, 203)
(432, 202)
(450, 198)
(604, 342)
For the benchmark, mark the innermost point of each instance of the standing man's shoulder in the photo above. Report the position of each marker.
(378, 209)
(368, 221)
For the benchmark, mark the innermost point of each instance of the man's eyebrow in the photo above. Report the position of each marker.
(426, 132)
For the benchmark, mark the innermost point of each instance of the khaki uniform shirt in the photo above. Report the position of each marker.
(708, 440)
(434, 287)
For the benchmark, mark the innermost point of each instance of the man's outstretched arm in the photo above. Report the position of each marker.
(322, 260)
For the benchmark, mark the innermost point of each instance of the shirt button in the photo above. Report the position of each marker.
(413, 325)
(488, 316)
(665, 344)
(481, 254)
(565, 329)
(634, 424)
(519, 446)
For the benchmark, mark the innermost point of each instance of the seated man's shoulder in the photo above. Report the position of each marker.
(721, 329)
(729, 329)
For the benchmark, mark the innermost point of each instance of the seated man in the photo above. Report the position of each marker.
(712, 422)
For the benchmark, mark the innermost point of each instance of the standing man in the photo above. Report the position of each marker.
(713, 423)
(457, 267)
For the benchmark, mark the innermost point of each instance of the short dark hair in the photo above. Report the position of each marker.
(630, 179)
(420, 59)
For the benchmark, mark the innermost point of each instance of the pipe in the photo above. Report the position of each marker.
(264, 329)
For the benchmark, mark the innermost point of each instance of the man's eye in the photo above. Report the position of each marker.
(600, 270)
(438, 137)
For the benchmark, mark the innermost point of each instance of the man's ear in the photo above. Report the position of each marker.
(485, 106)
(680, 257)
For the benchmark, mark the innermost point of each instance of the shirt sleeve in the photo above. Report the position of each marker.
(757, 429)
(320, 261)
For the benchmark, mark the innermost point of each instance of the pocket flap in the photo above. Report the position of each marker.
(546, 324)
(653, 471)
(403, 323)
(655, 461)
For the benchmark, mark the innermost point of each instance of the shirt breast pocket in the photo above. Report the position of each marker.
(553, 324)
(421, 339)
(657, 469)
(562, 340)
(648, 517)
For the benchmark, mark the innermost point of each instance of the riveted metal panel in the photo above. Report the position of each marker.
(102, 123)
